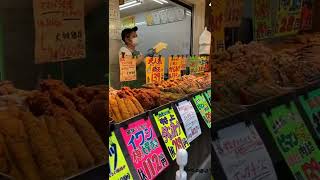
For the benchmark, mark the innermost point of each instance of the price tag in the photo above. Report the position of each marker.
(174, 68)
(193, 65)
(144, 149)
(294, 141)
(204, 108)
(171, 131)
(207, 94)
(154, 69)
(118, 167)
(189, 119)
(262, 24)
(218, 8)
(306, 15)
(128, 70)
(233, 13)
(183, 62)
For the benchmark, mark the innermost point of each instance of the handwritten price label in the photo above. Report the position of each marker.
(154, 69)
(144, 149)
(218, 11)
(128, 70)
(207, 94)
(174, 68)
(118, 167)
(233, 13)
(262, 24)
(293, 139)
(204, 108)
(171, 131)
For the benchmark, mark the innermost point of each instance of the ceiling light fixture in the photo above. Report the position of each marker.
(130, 4)
(164, 1)
(158, 1)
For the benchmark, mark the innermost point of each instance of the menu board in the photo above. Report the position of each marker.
(294, 141)
(59, 30)
(154, 69)
(306, 15)
(262, 23)
(174, 68)
(171, 131)
(128, 70)
(233, 13)
(204, 108)
(288, 17)
(311, 105)
(118, 167)
(218, 8)
(189, 119)
(144, 149)
(242, 154)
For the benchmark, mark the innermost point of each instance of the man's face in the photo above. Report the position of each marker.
(130, 37)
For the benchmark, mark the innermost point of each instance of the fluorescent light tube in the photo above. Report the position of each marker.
(158, 1)
(164, 1)
(132, 5)
(140, 23)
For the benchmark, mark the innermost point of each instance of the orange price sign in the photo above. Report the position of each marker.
(174, 67)
(154, 69)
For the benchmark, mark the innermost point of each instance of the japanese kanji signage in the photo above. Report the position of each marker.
(171, 131)
(203, 61)
(193, 64)
(59, 30)
(174, 68)
(189, 119)
(288, 17)
(207, 94)
(233, 13)
(144, 149)
(242, 154)
(218, 7)
(118, 168)
(204, 108)
(294, 141)
(311, 105)
(183, 62)
(128, 70)
(154, 69)
(262, 19)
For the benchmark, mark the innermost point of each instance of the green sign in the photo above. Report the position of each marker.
(207, 94)
(311, 105)
(204, 108)
(294, 141)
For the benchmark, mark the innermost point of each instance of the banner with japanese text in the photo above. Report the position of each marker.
(262, 19)
(144, 149)
(59, 30)
(174, 68)
(118, 167)
(154, 69)
(218, 8)
(128, 70)
(294, 141)
(171, 131)
(204, 108)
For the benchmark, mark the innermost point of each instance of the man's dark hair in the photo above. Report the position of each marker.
(127, 32)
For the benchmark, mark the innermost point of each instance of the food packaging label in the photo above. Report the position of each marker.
(203, 107)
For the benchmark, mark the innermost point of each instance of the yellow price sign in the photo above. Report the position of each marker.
(118, 166)
(154, 69)
(171, 131)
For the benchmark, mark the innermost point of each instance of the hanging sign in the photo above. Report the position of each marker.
(306, 15)
(204, 108)
(59, 30)
(128, 22)
(128, 70)
(233, 13)
(154, 69)
(174, 68)
(118, 166)
(218, 8)
(242, 154)
(144, 149)
(311, 105)
(171, 131)
(294, 141)
(262, 23)
(288, 17)
(189, 119)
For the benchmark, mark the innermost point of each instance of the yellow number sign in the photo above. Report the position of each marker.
(154, 69)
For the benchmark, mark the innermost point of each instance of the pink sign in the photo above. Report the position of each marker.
(144, 149)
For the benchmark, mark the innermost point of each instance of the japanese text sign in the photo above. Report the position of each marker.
(59, 30)
(128, 70)
(144, 149)
(189, 119)
(183, 62)
(311, 105)
(171, 131)
(118, 167)
(294, 141)
(242, 154)
(262, 19)
(204, 108)
(233, 13)
(154, 69)
(218, 8)
(203, 61)
(208, 95)
(174, 67)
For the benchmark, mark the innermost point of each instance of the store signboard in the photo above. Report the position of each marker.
(288, 20)
(59, 30)
(294, 141)
(203, 107)
(171, 131)
(128, 22)
(218, 25)
(118, 167)
(144, 149)
(174, 68)
(233, 13)
(262, 19)
(306, 15)
(154, 69)
(128, 70)
(189, 119)
(242, 154)
(164, 16)
(311, 105)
